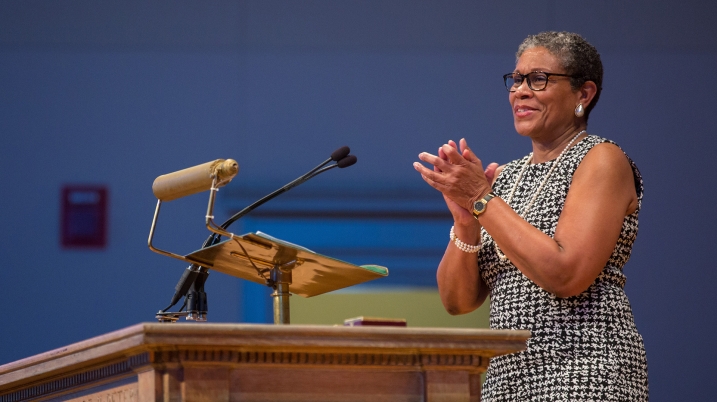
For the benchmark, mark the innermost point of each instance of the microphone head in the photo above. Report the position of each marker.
(346, 161)
(340, 153)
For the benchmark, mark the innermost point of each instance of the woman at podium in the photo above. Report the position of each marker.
(547, 235)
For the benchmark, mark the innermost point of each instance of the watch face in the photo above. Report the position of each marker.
(479, 206)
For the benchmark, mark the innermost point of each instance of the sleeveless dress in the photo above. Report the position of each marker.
(584, 347)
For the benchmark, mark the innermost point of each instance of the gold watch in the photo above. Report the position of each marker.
(480, 206)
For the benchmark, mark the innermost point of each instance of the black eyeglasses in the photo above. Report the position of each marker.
(537, 80)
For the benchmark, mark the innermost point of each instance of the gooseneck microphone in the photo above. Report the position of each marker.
(342, 158)
(339, 154)
(193, 278)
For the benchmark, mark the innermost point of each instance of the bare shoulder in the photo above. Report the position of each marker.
(606, 159)
(606, 168)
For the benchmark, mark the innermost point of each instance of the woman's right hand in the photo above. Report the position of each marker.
(461, 216)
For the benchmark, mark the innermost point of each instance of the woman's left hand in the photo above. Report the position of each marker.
(460, 176)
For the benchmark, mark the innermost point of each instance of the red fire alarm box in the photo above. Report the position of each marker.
(84, 216)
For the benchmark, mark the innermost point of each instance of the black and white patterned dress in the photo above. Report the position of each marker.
(584, 347)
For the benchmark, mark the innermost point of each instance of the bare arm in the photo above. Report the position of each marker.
(460, 285)
(459, 282)
(601, 194)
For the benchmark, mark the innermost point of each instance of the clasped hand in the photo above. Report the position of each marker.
(458, 174)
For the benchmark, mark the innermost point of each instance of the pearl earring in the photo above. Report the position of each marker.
(579, 110)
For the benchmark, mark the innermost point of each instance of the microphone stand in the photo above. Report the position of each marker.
(191, 283)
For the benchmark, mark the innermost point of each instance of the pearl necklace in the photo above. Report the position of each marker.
(540, 188)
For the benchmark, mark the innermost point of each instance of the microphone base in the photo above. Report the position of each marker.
(168, 317)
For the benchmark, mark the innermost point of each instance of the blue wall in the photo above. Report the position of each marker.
(118, 93)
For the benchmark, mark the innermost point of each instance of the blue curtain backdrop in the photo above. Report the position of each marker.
(117, 93)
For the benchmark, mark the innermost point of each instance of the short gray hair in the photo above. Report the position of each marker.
(578, 57)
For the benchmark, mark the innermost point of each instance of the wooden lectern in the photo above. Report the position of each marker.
(243, 362)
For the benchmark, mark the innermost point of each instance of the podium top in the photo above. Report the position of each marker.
(312, 274)
(144, 346)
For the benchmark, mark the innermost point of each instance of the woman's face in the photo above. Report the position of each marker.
(548, 113)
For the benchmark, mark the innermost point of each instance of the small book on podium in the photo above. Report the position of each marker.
(374, 321)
